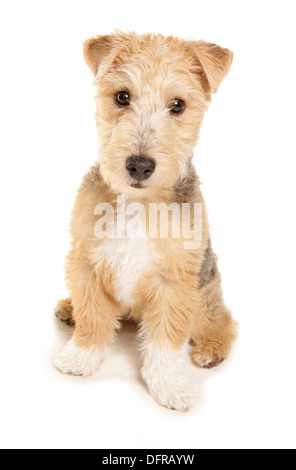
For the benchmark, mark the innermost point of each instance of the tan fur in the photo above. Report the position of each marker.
(214, 330)
(64, 311)
(179, 296)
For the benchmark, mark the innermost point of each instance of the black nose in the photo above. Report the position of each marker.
(140, 168)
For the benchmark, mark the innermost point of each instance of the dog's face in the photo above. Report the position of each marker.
(152, 93)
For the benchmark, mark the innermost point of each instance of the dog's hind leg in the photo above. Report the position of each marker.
(64, 311)
(214, 329)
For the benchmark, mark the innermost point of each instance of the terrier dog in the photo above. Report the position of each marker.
(152, 93)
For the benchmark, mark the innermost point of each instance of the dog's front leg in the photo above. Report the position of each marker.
(165, 332)
(95, 315)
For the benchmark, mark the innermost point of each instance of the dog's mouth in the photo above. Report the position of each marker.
(138, 185)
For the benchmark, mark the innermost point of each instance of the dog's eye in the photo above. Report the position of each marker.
(122, 98)
(177, 107)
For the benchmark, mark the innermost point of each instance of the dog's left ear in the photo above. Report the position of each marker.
(215, 61)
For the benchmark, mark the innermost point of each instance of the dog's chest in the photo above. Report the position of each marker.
(128, 259)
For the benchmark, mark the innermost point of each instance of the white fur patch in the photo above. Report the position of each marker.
(164, 373)
(76, 360)
(128, 258)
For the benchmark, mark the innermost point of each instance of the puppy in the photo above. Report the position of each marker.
(141, 246)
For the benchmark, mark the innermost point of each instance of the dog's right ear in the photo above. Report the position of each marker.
(95, 50)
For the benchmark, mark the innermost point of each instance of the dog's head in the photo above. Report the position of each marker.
(152, 93)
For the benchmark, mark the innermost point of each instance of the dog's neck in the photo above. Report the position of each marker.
(185, 189)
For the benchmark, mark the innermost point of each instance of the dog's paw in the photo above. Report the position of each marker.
(64, 312)
(179, 397)
(75, 360)
(164, 373)
(208, 357)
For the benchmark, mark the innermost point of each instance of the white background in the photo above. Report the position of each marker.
(246, 160)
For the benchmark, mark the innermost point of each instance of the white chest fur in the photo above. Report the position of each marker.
(128, 259)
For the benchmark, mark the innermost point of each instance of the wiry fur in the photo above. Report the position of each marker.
(173, 293)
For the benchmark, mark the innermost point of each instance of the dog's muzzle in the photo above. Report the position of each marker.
(140, 168)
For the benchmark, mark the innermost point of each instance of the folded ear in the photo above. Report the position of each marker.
(215, 61)
(95, 50)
